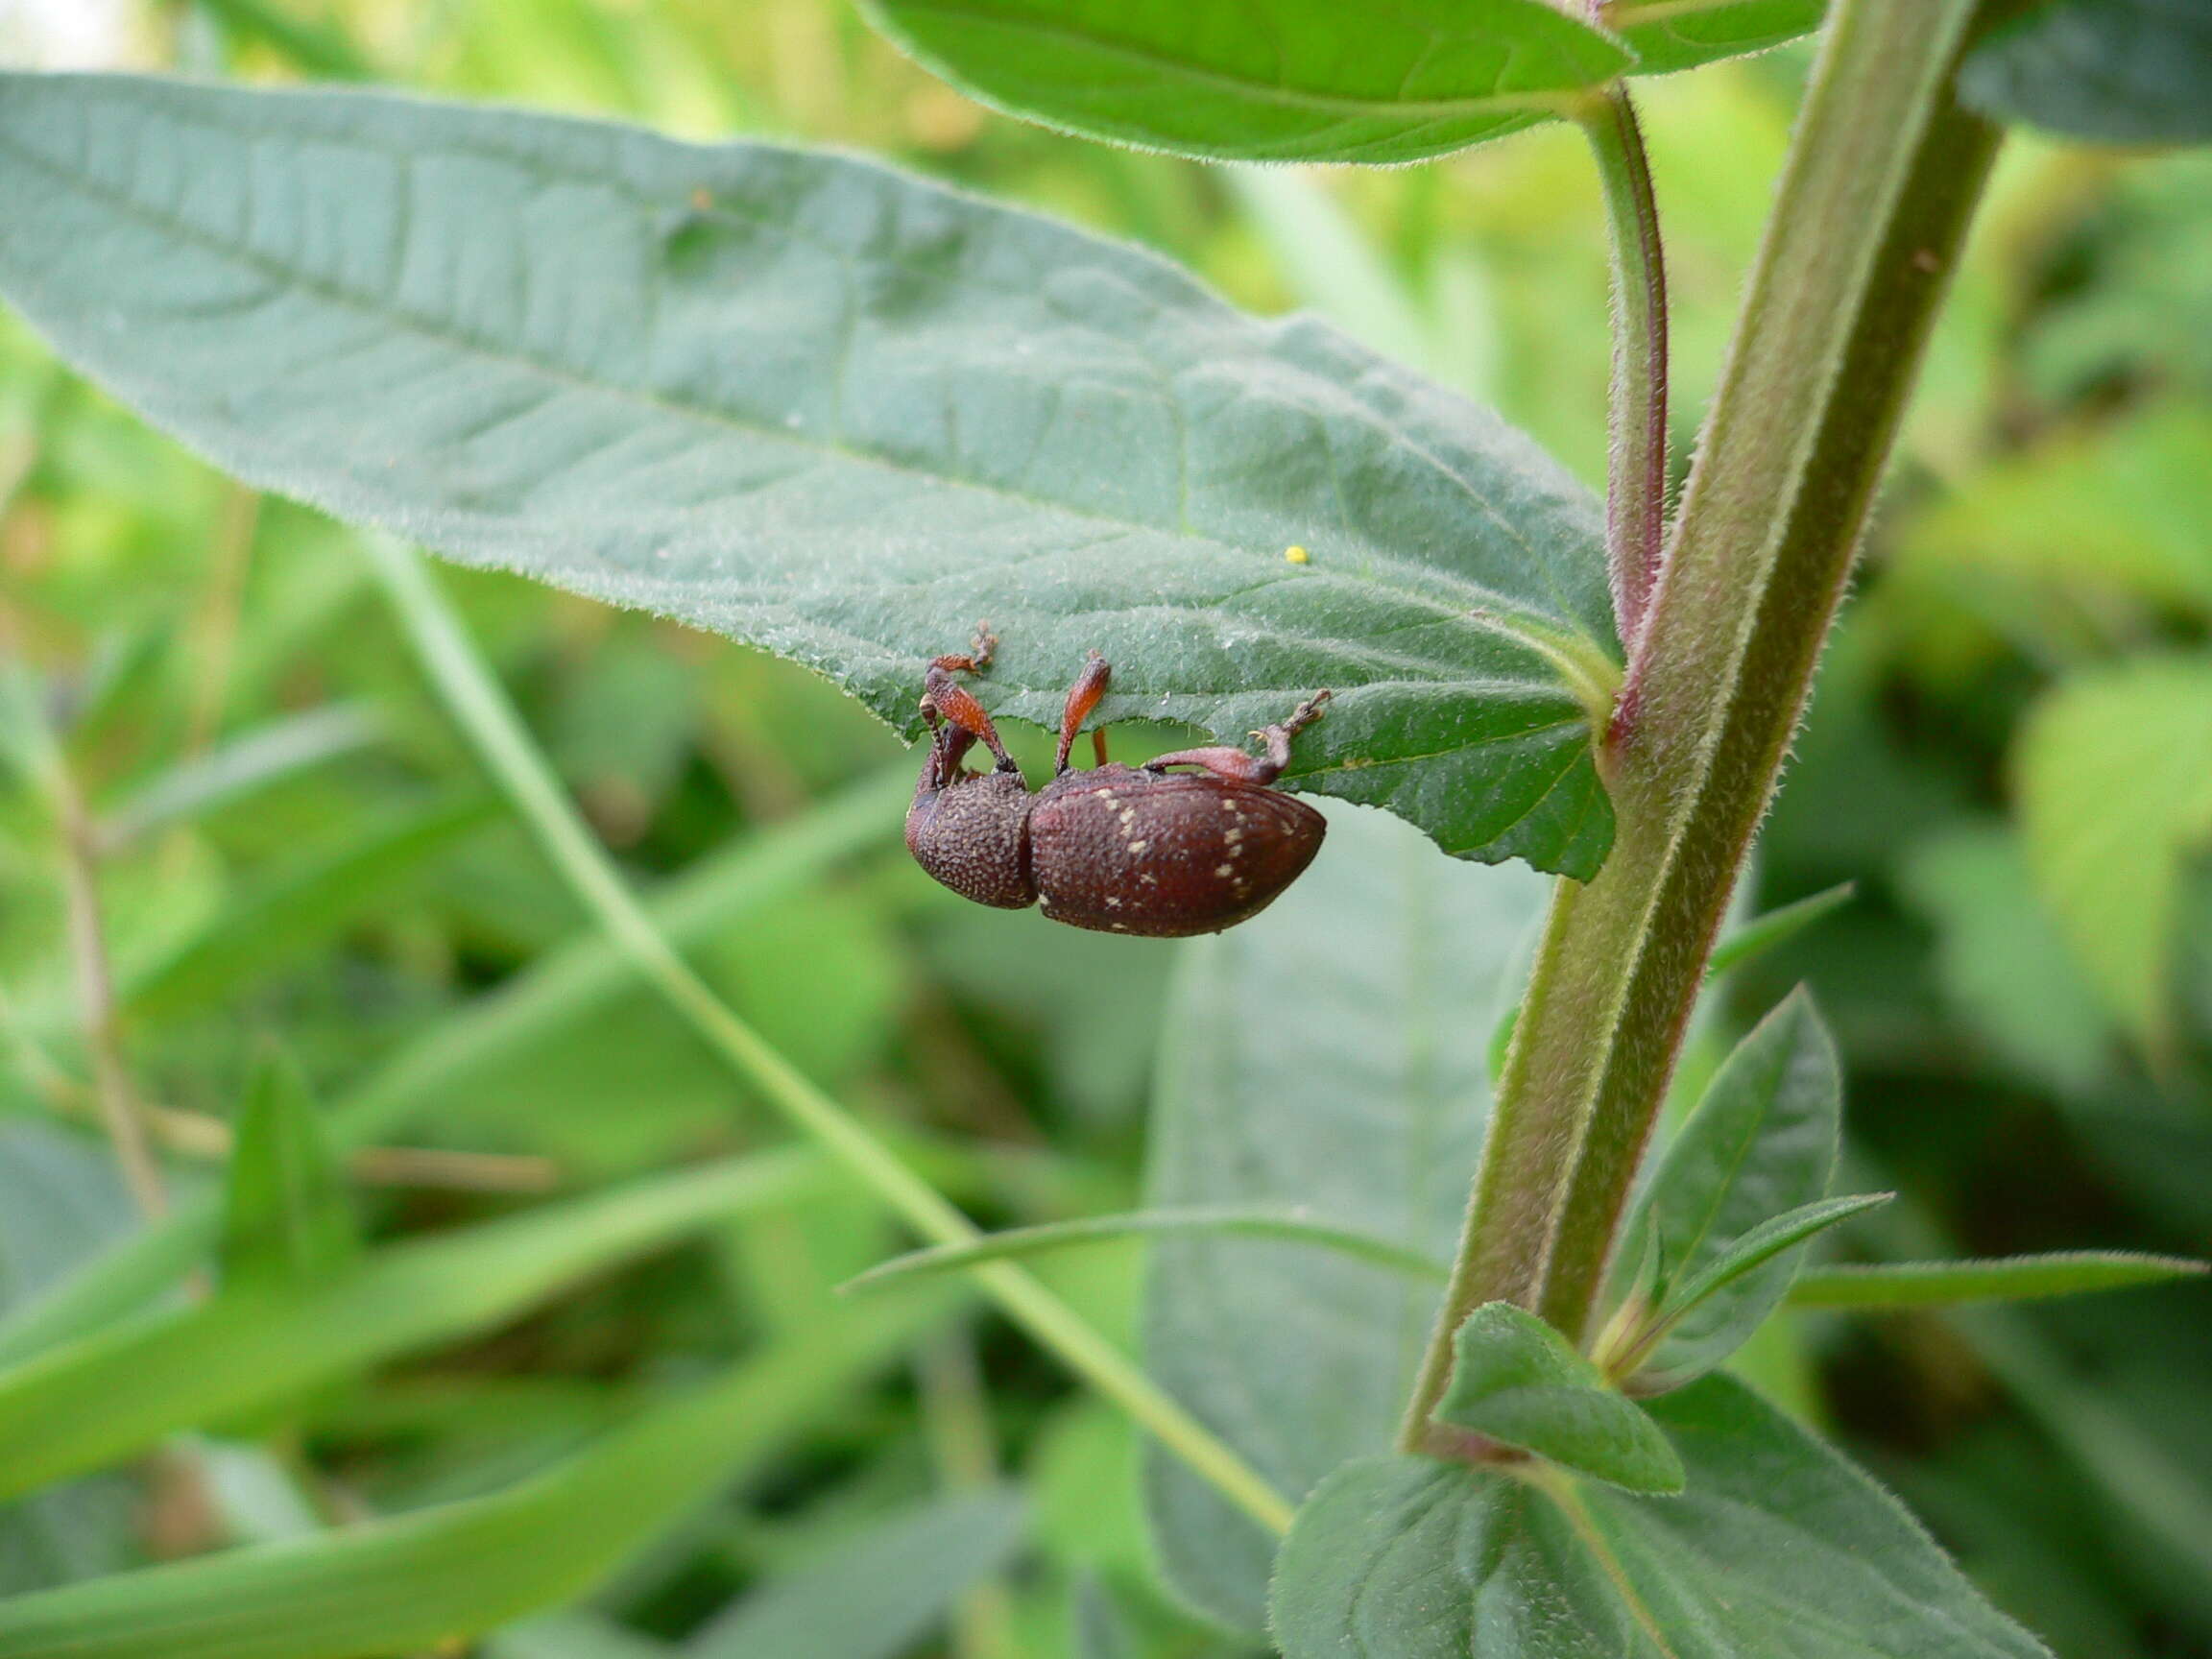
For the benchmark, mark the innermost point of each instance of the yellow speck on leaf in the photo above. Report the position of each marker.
(1297, 556)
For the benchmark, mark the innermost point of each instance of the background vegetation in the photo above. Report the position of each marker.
(2010, 755)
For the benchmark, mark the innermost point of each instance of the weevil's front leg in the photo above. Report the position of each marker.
(1235, 763)
(1083, 697)
(944, 698)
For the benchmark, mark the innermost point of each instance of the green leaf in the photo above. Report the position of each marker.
(835, 412)
(416, 1582)
(1669, 34)
(879, 1592)
(1369, 1119)
(2116, 71)
(288, 1217)
(2122, 512)
(1762, 1245)
(1892, 1285)
(1265, 81)
(88, 1404)
(61, 1199)
(266, 929)
(2113, 776)
(1760, 1142)
(567, 989)
(2001, 960)
(1220, 1220)
(1778, 1549)
(1519, 1381)
(1778, 927)
(238, 767)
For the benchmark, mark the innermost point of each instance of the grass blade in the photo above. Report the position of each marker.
(1287, 1226)
(423, 1579)
(1892, 1285)
(264, 1344)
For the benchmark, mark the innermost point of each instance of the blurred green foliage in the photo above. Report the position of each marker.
(288, 839)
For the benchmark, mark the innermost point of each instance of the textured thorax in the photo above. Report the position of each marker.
(1162, 855)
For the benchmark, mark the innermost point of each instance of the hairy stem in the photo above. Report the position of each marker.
(481, 709)
(1636, 465)
(1882, 178)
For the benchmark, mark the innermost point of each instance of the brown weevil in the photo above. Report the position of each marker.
(1139, 849)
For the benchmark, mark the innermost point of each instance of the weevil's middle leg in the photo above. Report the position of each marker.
(1083, 697)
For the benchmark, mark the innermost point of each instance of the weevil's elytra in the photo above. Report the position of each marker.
(1146, 850)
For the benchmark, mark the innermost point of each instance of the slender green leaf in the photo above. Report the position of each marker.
(1269, 80)
(1669, 34)
(1762, 1245)
(288, 1217)
(836, 412)
(266, 1343)
(565, 989)
(425, 1579)
(1778, 1549)
(1369, 1119)
(252, 760)
(2117, 71)
(2113, 771)
(1760, 1142)
(1891, 1285)
(1764, 933)
(1220, 1220)
(877, 1595)
(1517, 1380)
(297, 912)
(61, 1198)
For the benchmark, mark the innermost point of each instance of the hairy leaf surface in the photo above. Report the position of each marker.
(830, 410)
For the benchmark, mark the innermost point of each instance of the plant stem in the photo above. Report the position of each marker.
(1636, 462)
(478, 704)
(1882, 174)
(118, 1102)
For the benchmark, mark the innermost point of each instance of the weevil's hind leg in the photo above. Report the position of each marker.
(1083, 697)
(1235, 763)
(944, 698)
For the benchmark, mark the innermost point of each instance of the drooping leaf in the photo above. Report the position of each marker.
(1760, 1142)
(1369, 1119)
(1519, 1381)
(287, 1216)
(1221, 1222)
(2113, 774)
(1776, 1549)
(420, 1580)
(1667, 34)
(1266, 80)
(2117, 71)
(265, 1344)
(1877, 1287)
(877, 1595)
(830, 410)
